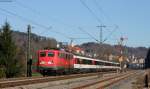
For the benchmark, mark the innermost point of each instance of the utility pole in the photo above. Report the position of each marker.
(29, 61)
(100, 39)
(101, 33)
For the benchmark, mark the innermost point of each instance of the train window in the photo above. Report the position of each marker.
(107, 64)
(118, 65)
(50, 54)
(42, 54)
(66, 56)
(90, 62)
(78, 60)
(70, 56)
(113, 64)
(99, 63)
(83, 61)
(87, 61)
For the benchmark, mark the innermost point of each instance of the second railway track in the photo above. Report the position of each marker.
(101, 84)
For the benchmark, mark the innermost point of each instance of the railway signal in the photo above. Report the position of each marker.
(120, 43)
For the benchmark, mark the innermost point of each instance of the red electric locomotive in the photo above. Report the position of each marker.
(54, 61)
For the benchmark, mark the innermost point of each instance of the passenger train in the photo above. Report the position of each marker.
(59, 61)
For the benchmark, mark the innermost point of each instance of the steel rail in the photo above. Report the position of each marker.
(33, 80)
(114, 78)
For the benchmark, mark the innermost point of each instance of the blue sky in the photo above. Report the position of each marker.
(66, 16)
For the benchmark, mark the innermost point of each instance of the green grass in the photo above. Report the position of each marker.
(36, 74)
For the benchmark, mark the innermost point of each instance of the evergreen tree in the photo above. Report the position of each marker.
(2, 68)
(8, 52)
(147, 60)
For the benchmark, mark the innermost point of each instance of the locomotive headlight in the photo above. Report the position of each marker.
(50, 62)
(42, 62)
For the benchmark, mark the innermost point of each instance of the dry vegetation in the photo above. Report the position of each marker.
(140, 81)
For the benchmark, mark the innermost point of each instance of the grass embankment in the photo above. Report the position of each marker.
(36, 74)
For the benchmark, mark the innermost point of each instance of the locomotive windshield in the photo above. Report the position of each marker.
(42, 54)
(50, 54)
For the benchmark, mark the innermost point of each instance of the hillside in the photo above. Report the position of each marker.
(104, 51)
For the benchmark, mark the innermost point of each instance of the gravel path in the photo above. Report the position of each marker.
(125, 84)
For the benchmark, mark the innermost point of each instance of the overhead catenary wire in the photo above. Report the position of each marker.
(28, 20)
(26, 7)
(108, 17)
(5, 1)
(47, 28)
(91, 11)
(35, 23)
(35, 11)
(29, 8)
(97, 18)
(88, 34)
(101, 10)
(106, 38)
(38, 13)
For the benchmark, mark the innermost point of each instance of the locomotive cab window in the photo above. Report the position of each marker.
(42, 54)
(50, 54)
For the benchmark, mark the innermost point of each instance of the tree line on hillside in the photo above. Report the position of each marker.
(105, 50)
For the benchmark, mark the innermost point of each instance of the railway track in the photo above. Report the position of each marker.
(20, 78)
(33, 80)
(101, 84)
